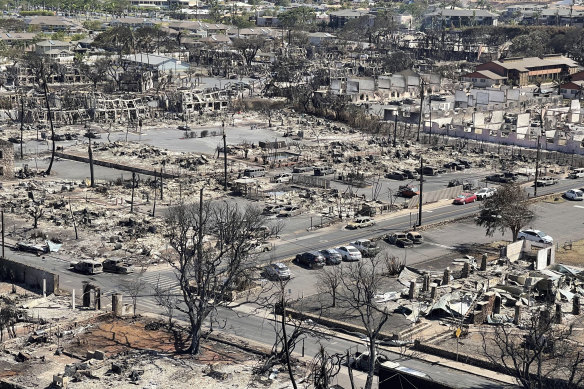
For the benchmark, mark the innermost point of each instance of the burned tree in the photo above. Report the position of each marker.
(360, 285)
(134, 288)
(290, 332)
(325, 368)
(507, 209)
(211, 245)
(329, 282)
(36, 211)
(96, 73)
(539, 354)
(42, 69)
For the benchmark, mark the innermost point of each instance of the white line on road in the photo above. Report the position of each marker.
(578, 206)
(441, 245)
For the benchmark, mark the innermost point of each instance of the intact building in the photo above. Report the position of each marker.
(525, 71)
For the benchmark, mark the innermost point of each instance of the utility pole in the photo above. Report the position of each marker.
(90, 152)
(421, 189)
(395, 129)
(422, 84)
(430, 112)
(133, 186)
(541, 117)
(3, 235)
(536, 166)
(21, 124)
(224, 158)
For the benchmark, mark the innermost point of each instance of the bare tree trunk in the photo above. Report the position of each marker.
(90, 152)
(21, 124)
(285, 339)
(46, 93)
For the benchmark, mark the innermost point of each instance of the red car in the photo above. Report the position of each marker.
(465, 198)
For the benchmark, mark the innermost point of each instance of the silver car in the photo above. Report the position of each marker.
(331, 256)
(277, 271)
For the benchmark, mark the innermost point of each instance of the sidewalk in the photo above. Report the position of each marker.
(413, 354)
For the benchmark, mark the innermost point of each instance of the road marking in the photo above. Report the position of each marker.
(578, 206)
(441, 245)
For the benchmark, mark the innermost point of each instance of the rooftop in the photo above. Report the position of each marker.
(462, 13)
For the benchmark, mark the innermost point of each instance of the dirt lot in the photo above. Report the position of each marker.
(571, 255)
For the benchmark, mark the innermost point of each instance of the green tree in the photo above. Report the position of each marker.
(533, 44)
(93, 25)
(507, 209)
(300, 18)
(117, 39)
(249, 47)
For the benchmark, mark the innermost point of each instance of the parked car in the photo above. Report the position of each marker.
(302, 169)
(323, 171)
(574, 195)
(535, 236)
(400, 239)
(290, 210)
(283, 177)
(361, 222)
(485, 193)
(546, 181)
(277, 271)
(117, 265)
(454, 165)
(366, 247)
(408, 191)
(261, 247)
(312, 259)
(415, 237)
(412, 174)
(437, 98)
(331, 256)
(431, 170)
(349, 253)
(576, 173)
(464, 163)
(273, 209)
(87, 266)
(465, 198)
(360, 361)
(504, 178)
(396, 175)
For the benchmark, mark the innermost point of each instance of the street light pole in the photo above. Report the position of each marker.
(421, 189)
(395, 128)
(224, 158)
(541, 117)
(422, 84)
(536, 166)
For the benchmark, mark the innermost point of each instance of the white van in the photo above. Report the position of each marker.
(254, 172)
(577, 173)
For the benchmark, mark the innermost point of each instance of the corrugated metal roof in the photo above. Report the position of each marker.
(524, 64)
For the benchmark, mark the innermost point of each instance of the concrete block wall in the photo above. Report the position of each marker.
(436, 195)
(31, 276)
(6, 160)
